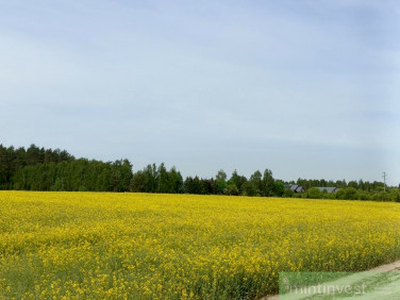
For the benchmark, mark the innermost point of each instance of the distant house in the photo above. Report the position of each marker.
(294, 187)
(329, 190)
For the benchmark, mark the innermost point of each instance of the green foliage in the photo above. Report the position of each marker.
(200, 186)
(175, 181)
(221, 181)
(138, 182)
(155, 179)
(256, 180)
(288, 193)
(193, 185)
(55, 170)
(78, 175)
(232, 190)
(397, 199)
(382, 196)
(249, 189)
(268, 184)
(278, 189)
(42, 169)
(314, 193)
(350, 193)
(235, 181)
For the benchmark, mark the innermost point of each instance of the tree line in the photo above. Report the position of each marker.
(153, 179)
(43, 169)
(360, 185)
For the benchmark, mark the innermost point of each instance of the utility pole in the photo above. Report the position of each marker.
(384, 181)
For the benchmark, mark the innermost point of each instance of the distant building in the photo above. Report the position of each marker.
(329, 190)
(294, 187)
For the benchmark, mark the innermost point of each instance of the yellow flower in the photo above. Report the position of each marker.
(153, 246)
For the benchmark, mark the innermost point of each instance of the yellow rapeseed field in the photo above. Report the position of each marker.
(152, 246)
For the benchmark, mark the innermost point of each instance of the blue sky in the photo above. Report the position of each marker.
(306, 88)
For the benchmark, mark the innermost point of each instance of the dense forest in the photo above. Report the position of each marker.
(43, 169)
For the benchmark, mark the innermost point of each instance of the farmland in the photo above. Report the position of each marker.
(159, 246)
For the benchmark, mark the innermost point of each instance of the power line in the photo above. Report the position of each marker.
(384, 181)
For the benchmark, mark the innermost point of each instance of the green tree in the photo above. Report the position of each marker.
(221, 181)
(176, 181)
(193, 185)
(232, 189)
(237, 180)
(268, 183)
(164, 185)
(314, 193)
(256, 180)
(138, 182)
(249, 189)
(278, 188)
